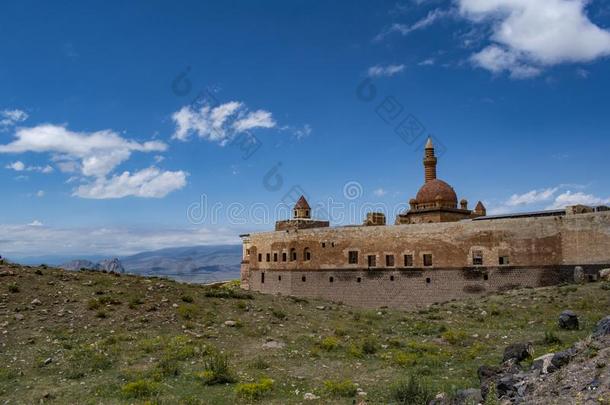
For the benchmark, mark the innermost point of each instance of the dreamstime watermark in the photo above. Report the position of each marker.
(350, 209)
(393, 114)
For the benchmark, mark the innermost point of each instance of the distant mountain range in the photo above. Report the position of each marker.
(194, 264)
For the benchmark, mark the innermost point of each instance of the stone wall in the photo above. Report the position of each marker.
(540, 251)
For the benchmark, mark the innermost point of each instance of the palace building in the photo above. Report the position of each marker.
(435, 252)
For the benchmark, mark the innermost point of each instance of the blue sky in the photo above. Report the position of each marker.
(118, 117)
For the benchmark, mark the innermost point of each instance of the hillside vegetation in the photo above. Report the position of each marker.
(90, 337)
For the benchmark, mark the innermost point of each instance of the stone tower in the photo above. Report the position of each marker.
(301, 210)
(429, 161)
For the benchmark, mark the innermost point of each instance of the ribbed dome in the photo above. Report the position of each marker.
(436, 188)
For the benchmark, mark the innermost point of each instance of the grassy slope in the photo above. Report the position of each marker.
(102, 332)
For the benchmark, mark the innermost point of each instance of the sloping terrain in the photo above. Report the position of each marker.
(91, 337)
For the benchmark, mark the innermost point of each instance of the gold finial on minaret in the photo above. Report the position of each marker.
(429, 161)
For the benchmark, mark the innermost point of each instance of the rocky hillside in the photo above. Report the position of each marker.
(94, 337)
(109, 265)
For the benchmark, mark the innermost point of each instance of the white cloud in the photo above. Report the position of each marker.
(219, 124)
(40, 193)
(528, 36)
(19, 166)
(532, 197)
(570, 198)
(380, 192)
(35, 239)
(148, 183)
(389, 70)
(99, 152)
(425, 22)
(9, 118)
(427, 62)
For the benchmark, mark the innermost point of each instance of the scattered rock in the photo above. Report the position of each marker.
(19, 317)
(273, 344)
(310, 397)
(230, 323)
(36, 301)
(579, 274)
(568, 320)
(5, 273)
(542, 363)
(559, 360)
(518, 351)
(321, 307)
(602, 328)
(48, 361)
(468, 396)
(604, 274)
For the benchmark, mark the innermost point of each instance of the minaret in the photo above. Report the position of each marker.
(429, 161)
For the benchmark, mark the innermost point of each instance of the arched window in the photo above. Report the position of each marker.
(306, 254)
(293, 254)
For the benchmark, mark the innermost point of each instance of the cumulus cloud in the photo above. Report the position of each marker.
(548, 198)
(387, 71)
(40, 193)
(527, 36)
(34, 239)
(147, 183)
(219, 124)
(531, 197)
(9, 118)
(95, 156)
(570, 198)
(380, 192)
(19, 166)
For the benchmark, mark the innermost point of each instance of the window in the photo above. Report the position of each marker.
(303, 278)
(389, 260)
(306, 213)
(359, 279)
(268, 257)
(306, 254)
(485, 277)
(275, 257)
(263, 278)
(279, 278)
(332, 244)
(323, 244)
(477, 258)
(284, 256)
(293, 254)
(391, 278)
(331, 279)
(428, 280)
(427, 260)
(260, 257)
(408, 260)
(352, 257)
(247, 252)
(372, 260)
(503, 260)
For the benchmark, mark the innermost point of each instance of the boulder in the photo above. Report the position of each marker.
(518, 351)
(468, 396)
(542, 363)
(604, 274)
(568, 320)
(602, 328)
(559, 360)
(579, 275)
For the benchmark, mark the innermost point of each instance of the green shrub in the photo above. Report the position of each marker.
(93, 304)
(86, 360)
(369, 345)
(344, 388)
(135, 302)
(254, 391)
(217, 370)
(223, 292)
(13, 288)
(454, 337)
(329, 343)
(188, 311)
(278, 313)
(187, 298)
(355, 350)
(7, 374)
(140, 388)
(260, 364)
(404, 359)
(101, 314)
(550, 338)
(411, 392)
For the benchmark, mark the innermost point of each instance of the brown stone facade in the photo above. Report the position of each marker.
(408, 266)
